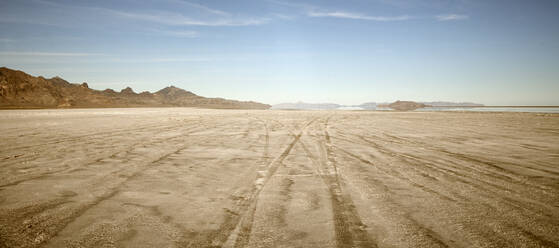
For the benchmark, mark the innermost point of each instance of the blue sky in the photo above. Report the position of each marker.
(272, 51)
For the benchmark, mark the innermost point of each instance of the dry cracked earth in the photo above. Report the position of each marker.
(179, 177)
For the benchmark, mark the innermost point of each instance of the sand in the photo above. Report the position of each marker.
(179, 177)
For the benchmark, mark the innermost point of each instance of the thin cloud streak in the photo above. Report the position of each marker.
(303, 6)
(174, 33)
(315, 11)
(161, 60)
(87, 58)
(202, 7)
(171, 18)
(283, 17)
(451, 17)
(357, 16)
(175, 19)
(183, 2)
(50, 54)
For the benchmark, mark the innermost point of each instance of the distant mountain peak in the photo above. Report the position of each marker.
(109, 91)
(127, 90)
(173, 90)
(172, 93)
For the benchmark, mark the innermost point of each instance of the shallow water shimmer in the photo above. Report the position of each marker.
(495, 109)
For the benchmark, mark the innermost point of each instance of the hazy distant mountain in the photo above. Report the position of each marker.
(21, 90)
(306, 106)
(453, 104)
(398, 105)
(409, 105)
(406, 105)
(367, 105)
(324, 106)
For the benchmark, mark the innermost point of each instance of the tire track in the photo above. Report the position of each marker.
(427, 233)
(80, 137)
(422, 164)
(243, 222)
(244, 225)
(403, 215)
(97, 160)
(474, 159)
(491, 187)
(491, 206)
(233, 218)
(66, 216)
(349, 229)
(37, 151)
(111, 192)
(483, 166)
(430, 168)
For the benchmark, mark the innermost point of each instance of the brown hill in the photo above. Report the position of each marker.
(406, 105)
(21, 90)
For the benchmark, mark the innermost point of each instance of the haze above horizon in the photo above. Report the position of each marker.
(274, 51)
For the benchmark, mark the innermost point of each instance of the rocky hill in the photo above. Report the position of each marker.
(21, 90)
(406, 105)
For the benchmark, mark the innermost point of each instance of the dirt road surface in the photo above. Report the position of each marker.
(178, 177)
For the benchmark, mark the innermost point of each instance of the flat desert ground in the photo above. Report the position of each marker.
(180, 177)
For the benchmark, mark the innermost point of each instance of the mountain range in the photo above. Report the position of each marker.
(21, 90)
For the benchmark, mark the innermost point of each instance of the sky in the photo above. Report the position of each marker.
(498, 52)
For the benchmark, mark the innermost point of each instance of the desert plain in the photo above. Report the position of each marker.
(184, 177)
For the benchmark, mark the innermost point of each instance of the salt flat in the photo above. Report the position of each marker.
(179, 177)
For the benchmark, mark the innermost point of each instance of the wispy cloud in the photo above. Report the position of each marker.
(49, 54)
(172, 18)
(451, 17)
(304, 6)
(316, 11)
(93, 58)
(160, 60)
(283, 17)
(176, 33)
(20, 20)
(357, 16)
(179, 2)
(175, 19)
(202, 7)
